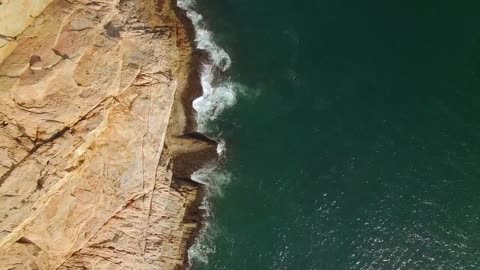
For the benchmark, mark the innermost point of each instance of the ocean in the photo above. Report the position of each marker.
(350, 134)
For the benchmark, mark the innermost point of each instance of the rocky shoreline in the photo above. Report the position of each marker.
(98, 137)
(191, 150)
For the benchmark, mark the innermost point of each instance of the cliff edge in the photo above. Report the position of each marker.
(96, 135)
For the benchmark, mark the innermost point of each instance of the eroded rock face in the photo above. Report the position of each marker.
(87, 90)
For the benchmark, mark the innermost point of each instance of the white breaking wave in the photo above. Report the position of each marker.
(216, 98)
(221, 148)
(214, 180)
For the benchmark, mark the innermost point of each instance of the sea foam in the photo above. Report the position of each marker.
(216, 97)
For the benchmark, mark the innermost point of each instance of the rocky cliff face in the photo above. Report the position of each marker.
(96, 145)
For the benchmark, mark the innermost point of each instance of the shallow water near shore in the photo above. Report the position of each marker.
(353, 141)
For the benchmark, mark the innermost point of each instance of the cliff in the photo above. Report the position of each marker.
(96, 135)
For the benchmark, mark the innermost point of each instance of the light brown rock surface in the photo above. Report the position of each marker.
(87, 152)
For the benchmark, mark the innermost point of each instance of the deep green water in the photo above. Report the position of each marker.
(355, 143)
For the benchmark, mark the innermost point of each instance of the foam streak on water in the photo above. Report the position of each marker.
(215, 98)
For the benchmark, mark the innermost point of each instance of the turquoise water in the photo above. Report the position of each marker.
(355, 139)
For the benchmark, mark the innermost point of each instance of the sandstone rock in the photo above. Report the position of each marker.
(92, 132)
